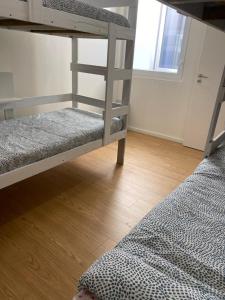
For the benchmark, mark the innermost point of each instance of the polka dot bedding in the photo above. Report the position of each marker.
(177, 251)
(83, 9)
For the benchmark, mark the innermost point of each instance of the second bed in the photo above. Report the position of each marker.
(176, 252)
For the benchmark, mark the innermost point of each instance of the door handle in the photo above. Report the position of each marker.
(202, 76)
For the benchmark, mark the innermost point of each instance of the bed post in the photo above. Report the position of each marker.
(127, 84)
(35, 10)
(109, 82)
(212, 143)
(74, 70)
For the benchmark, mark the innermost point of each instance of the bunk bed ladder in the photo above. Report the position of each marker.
(111, 74)
(212, 143)
(127, 84)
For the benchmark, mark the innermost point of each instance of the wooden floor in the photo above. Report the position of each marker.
(54, 225)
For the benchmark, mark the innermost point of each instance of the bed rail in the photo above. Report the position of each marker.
(14, 103)
(130, 4)
(9, 105)
(46, 164)
(32, 16)
(14, 9)
(109, 3)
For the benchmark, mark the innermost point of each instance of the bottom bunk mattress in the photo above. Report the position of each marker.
(177, 252)
(30, 139)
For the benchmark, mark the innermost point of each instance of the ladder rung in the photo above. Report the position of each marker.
(118, 74)
(93, 101)
(89, 101)
(91, 69)
(120, 111)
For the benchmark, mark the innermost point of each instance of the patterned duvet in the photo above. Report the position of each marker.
(82, 9)
(177, 251)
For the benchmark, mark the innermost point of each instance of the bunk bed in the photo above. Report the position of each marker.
(178, 250)
(34, 144)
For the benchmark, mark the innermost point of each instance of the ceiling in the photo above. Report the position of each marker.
(209, 11)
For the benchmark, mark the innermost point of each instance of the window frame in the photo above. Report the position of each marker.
(168, 74)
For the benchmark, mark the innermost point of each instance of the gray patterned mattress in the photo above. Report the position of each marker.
(30, 139)
(177, 252)
(86, 10)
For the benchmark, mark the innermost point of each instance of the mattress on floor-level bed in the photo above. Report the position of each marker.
(177, 252)
(82, 9)
(30, 139)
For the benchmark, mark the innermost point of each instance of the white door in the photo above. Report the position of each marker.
(204, 90)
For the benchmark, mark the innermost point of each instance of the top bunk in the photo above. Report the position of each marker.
(211, 12)
(85, 18)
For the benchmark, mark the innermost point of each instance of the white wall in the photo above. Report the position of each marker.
(159, 107)
(41, 65)
(92, 52)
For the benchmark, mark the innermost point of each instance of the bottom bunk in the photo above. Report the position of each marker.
(35, 143)
(176, 252)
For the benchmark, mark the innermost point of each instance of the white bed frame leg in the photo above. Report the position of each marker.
(127, 85)
(74, 71)
(121, 151)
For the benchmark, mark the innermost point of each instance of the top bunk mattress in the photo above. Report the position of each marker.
(30, 139)
(82, 9)
(177, 251)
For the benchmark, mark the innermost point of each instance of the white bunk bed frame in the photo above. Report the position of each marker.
(32, 16)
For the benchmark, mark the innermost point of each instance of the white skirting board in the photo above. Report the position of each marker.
(156, 134)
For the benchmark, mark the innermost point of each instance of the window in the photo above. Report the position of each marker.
(161, 36)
